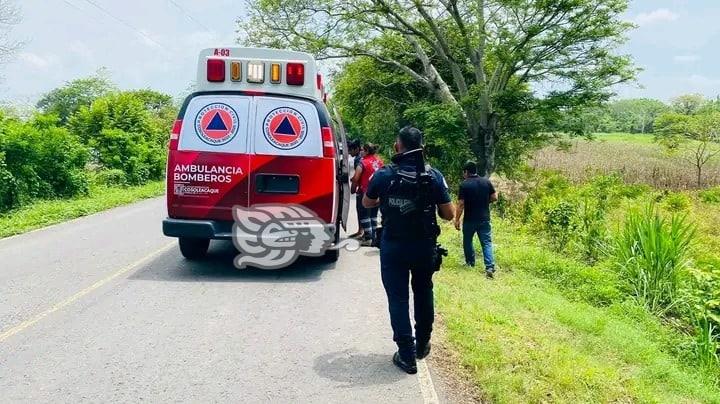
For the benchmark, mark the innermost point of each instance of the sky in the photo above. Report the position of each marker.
(154, 44)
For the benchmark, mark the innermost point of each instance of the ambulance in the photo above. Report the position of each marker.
(256, 131)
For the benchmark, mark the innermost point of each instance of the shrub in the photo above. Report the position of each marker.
(560, 222)
(676, 202)
(46, 161)
(652, 252)
(633, 191)
(110, 178)
(593, 233)
(711, 195)
(139, 159)
(9, 197)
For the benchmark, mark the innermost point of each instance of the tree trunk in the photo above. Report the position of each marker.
(482, 132)
(699, 176)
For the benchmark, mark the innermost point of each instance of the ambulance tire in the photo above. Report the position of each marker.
(333, 255)
(193, 248)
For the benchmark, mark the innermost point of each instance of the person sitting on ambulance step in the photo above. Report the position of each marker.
(369, 163)
(354, 150)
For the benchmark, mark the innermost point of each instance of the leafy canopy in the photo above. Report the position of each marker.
(482, 56)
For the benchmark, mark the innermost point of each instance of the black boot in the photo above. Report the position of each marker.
(422, 348)
(408, 365)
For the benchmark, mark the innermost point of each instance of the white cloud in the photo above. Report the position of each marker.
(686, 58)
(655, 16)
(34, 60)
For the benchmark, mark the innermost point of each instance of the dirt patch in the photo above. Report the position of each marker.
(446, 365)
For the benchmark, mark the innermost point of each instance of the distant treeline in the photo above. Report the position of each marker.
(83, 134)
(639, 115)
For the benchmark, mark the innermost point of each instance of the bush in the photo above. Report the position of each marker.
(652, 252)
(676, 202)
(45, 161)
(9, 197)
(593, 232)
(633, 191)
(560, 222)
(110, 178)
(711, 195)
(139, 159)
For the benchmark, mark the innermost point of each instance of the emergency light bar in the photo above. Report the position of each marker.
(215, 70)
(259, 70)
(256, 72)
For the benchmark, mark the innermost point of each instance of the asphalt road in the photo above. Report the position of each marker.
(105, 309)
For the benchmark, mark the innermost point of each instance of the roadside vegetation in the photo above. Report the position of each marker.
(607, 239)
(85, 145)
(607, 292)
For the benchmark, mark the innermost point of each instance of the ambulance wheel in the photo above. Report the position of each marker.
(333, 255)
(193, 248)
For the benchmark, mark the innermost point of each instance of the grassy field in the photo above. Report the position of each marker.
(538, 333)
(45, 213)
(637, 158)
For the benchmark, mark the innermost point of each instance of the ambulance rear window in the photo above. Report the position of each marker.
(268, 125)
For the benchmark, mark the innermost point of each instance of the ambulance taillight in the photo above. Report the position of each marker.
(215, 70)
(327, 142)
(175, 134)
(295, 75)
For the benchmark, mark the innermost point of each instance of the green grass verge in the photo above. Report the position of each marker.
(527, 337)
(45, 213)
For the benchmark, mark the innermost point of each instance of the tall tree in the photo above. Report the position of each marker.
(688, 104)
(637, 114)
(477, 55)
(66, 100)
(696, 137)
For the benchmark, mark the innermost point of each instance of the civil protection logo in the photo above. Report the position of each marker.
(274, 236)
(216, 124)
(285, 128)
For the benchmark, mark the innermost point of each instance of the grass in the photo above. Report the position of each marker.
(637, 158)
(44, 213)
(529, 337)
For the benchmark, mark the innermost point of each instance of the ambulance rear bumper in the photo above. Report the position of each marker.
(209, 229)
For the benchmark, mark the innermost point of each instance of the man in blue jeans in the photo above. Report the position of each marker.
(474, 199)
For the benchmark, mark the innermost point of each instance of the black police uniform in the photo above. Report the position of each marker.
(407, 247)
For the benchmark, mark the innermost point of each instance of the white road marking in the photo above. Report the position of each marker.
(427, 388)
(70, 300)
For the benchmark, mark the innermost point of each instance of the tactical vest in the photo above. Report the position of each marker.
(408, 211)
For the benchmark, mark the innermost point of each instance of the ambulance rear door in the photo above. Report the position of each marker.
(344, 167)
(288, 163)
(208, 170)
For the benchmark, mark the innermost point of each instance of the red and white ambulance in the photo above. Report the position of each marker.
(257, 131)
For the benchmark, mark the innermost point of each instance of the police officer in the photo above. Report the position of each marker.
(409, 193)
